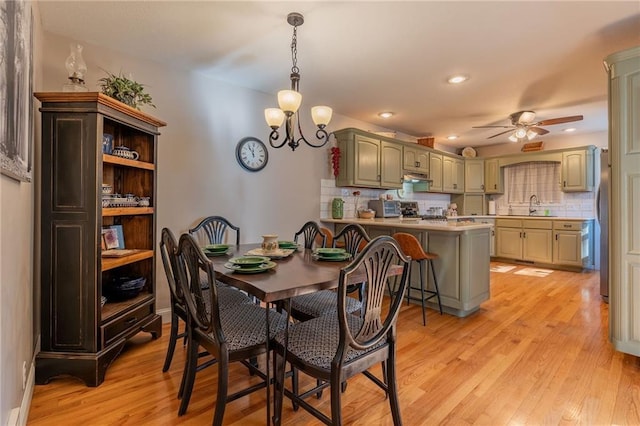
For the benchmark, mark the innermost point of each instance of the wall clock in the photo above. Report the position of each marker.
(252, 154)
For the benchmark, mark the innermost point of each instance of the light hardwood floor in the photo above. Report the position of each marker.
(536, 353)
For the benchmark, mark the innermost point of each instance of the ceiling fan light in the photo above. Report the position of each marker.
(513, 138)
(520, 133)
(321, 115)
(289, 101)
(531, 134)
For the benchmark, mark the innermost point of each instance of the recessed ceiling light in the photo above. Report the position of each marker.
(452, 137)
(570, 129)
(386, 114)
(457, 79)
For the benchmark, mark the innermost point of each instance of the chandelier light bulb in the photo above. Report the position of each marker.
(289, 101)
(520, 133)
(274, 117)
(321, 115)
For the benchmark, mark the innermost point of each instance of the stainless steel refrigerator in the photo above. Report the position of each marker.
(602, 210)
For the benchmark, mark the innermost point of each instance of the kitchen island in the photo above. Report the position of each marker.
(463, 265)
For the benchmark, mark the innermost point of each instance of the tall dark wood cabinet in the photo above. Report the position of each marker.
(81, 337)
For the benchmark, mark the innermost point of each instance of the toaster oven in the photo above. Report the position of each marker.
(385, 208)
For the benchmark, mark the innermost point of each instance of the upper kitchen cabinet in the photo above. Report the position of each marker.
(492, 177)
(577, 170)
(416, 159)
(452, 175)
(367, 161)
(474, 176)
(435, 171)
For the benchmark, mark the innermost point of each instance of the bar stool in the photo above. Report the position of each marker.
(412, 247)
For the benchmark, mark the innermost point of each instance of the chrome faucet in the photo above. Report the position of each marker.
(533, 200)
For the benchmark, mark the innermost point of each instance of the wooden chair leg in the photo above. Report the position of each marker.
(221, 392)
(392, 389)
(435, 284)
(188, 377)
(173, 337)
(424, 315)
(336, 403)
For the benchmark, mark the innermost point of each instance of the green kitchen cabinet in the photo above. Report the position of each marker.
(366, 161)
(577, 170)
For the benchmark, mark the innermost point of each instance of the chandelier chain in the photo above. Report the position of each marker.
(294, 50)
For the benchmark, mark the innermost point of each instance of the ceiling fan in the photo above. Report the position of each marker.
(524, 128)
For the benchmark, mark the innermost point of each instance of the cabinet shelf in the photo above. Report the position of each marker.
(111, 310)
(115, 262)
(126, 211)
(112, 159)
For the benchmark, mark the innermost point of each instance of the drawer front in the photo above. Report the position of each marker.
(125, 323)
(537, 224)
(568, 226)
(509, 223)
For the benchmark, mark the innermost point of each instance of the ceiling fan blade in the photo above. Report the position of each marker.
(490, 127)
(539, 130)
(559, 120)
(501, 133)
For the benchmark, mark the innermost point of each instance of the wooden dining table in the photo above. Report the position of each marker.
(297, 274)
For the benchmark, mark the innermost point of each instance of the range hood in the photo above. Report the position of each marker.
(413, 177)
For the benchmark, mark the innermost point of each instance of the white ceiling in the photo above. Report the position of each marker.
(362, 58)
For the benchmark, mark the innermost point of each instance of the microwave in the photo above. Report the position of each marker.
(385, 208)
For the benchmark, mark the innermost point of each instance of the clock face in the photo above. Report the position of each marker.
(252, 154)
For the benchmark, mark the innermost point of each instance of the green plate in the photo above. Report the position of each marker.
(334, 258)
(287, 244)
(248, 261)
(329, 252)
(254, 269)
(215, 253)
(216, 247)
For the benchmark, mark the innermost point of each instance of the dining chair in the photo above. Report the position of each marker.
(230, 335)
(353, 238)
(321, 302)
(312, 235)
(334, 348)
(228, 297)
(412, 247)
(212, 230)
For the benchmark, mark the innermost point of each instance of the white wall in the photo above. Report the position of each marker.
(17, 274)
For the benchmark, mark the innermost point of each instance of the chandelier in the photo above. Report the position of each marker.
(289, 102)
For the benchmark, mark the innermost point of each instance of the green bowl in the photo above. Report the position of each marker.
(216, 247)
(249, 261)
(287, 244)
(330, 252)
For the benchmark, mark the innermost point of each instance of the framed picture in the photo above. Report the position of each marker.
(110, 239)
(120, 234)
(113, 237)
(16, 88)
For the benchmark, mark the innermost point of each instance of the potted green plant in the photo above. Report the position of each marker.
(125, 90)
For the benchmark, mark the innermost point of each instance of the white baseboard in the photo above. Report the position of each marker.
(165, 314)
(19, 415)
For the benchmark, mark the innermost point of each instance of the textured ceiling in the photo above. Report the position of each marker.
(362, 58)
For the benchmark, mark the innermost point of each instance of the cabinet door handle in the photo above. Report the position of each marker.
(556, 237)
(566, 225)
(524, 235)
(564, 183)
(131, 321)
(482, 186)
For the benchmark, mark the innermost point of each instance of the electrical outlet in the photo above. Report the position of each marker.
(24, 375)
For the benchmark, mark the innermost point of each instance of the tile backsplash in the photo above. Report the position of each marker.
(329, 191)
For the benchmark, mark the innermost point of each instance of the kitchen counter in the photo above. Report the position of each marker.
(517, 216)
(463, 262)
(407, 223)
